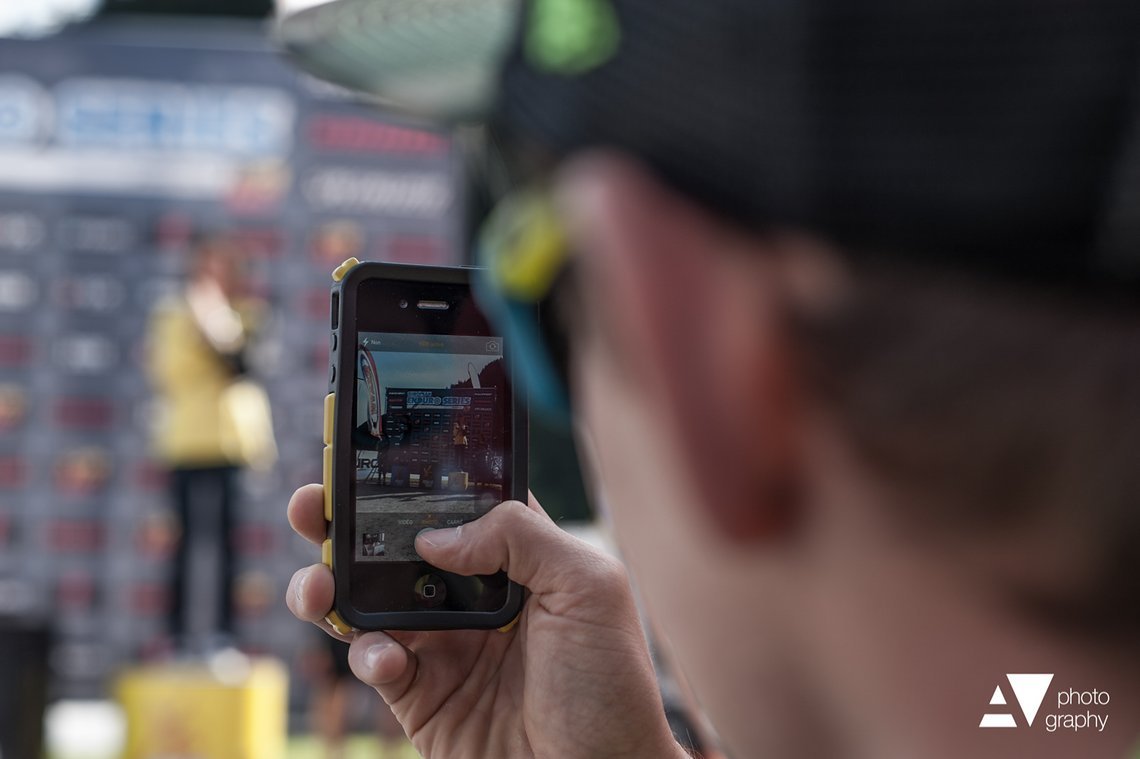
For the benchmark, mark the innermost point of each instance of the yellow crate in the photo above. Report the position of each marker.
(186, 711)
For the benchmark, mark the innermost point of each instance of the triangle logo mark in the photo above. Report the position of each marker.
(1030, 692)
(997, 699)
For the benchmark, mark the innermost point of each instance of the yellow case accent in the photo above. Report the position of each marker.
(511, 625)
(330, 400)
(332, 617)
(327, 482)
(337, 623)
(340, 271)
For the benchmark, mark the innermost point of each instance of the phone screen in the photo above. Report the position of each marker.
(433, 435)
(429, 437)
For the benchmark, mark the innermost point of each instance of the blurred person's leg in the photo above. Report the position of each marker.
(226, 483)
(180, 492)
(205, 500)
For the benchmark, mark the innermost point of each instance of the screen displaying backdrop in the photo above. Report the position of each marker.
(118, 142)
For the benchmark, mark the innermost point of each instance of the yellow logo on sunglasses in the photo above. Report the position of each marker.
(525, 246)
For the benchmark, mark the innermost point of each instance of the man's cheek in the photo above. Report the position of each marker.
(612, 434)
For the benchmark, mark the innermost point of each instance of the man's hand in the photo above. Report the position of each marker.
(572, 679)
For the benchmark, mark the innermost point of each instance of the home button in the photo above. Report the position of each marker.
(430, 590)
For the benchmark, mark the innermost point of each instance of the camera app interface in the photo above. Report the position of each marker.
(429, 436)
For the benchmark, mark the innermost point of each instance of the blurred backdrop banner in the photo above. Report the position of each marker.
(121, 141)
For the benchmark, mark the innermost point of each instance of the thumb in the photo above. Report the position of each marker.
(524, 543)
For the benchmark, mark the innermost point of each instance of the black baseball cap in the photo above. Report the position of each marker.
(996, 134)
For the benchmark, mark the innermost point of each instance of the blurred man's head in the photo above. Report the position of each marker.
(822, 471)
(855, 345)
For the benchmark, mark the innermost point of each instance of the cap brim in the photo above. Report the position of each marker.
(435, 58)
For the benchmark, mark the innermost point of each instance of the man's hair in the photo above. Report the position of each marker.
(997, 406)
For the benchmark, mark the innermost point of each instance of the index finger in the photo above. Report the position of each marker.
(307, 513)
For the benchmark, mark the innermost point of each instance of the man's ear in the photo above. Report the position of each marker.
(689, 308)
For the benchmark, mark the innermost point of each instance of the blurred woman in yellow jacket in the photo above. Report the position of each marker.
(212, 420)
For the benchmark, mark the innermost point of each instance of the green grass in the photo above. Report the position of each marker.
(358, 747)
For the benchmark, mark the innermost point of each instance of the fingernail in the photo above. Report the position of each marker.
(440, 538)
(299, 590)
(373, 655)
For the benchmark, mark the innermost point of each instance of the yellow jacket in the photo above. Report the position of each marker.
(206, 416)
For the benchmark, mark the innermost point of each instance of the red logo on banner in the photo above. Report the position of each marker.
(149, 476)
(13, 407)
(75, 535)
(156, 536)
(254, 539)
(13, 472)
(84, 413)
(15, 350)
(75, 592)
(148, 598)
(83, 471)
(354, 134)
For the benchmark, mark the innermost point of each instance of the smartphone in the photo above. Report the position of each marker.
(423, 431)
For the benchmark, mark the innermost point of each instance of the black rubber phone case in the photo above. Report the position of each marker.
(339, 463)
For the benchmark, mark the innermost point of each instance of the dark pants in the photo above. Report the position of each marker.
(204, 498)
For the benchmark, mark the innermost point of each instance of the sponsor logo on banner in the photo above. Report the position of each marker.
(94, 293)
(148, 598)
(84, 413)
(15, 350)
(18, 291)
(25, 110)
(13, 407)
(76, 592)
(98, 234)
(360, 135)
(21, 232)
(13, 472)
(83, 471)
(86, 353)
(141, 114)
(416, 194)
(254, 539)
(75, 535)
